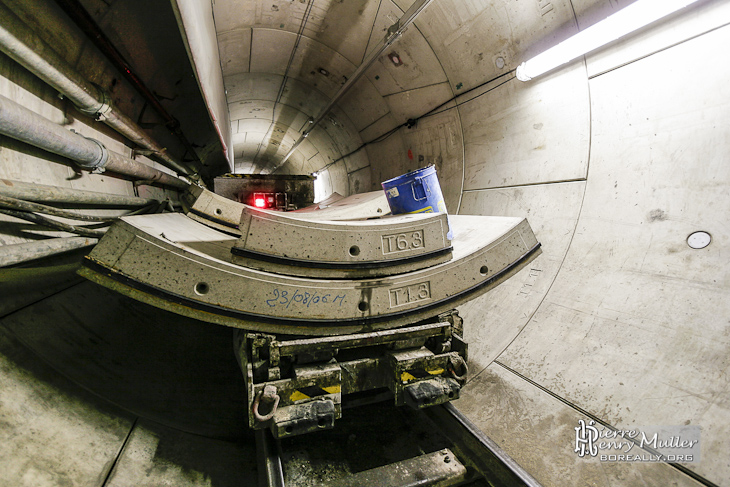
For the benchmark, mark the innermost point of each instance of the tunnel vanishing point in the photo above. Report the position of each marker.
(619, 159)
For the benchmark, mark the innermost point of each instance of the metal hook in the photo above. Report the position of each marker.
(268, 393)
(458, 361)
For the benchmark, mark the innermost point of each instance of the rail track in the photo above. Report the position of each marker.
(380, 445)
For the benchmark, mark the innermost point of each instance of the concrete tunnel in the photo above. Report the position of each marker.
(616, 158)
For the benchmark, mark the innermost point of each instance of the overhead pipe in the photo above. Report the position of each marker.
(70, 197)
(394, 32)
(22, 124)
(24, 252)
(96, 34)
(19, 42)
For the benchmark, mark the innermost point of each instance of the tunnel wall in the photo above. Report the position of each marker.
(634, 328)
(615, 161)
(52, 430)
(25, 163)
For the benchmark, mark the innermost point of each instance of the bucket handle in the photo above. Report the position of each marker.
(420, 187)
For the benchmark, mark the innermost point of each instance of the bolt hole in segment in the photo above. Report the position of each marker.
(218, 211)
(699, 240)
(363, 306)
(483, 270)
(201, 288)
(354, 250)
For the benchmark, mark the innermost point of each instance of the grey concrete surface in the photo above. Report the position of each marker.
(614, 159)
(630, 287)
(53, 432)
(158, 365)
(537, 430)
(156, 456)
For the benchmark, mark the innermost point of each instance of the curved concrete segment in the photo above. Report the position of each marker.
(178, 264)
(330, 249)
(615, 158)
(224, 214)
(354, 207)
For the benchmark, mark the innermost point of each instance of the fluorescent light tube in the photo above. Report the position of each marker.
(623, 22)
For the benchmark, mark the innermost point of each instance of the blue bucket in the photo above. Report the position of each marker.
(415, 192)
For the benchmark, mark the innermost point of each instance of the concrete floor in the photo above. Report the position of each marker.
(615, 159)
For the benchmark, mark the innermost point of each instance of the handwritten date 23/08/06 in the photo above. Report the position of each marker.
(303, 298)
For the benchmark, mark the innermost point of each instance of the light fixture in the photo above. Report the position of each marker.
(623, 22)
(263, 200)
(395, 58)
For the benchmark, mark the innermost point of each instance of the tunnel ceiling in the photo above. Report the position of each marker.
(615, 159)
(283, 60)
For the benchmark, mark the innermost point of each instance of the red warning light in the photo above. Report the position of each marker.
(269, 201)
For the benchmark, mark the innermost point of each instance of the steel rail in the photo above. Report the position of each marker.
(268, 460)
(482, 452)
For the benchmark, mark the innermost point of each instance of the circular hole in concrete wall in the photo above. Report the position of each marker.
(363, 306)
(202, 288)
(218, 211)
(483, 270)
(354, 250)
(699, 240)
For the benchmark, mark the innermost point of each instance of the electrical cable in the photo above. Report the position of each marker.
(56, 225)
(412, 122)
(455, 97)
(429, 114)
(26, 210)
(23, 205)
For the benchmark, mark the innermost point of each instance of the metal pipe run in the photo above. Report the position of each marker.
(124, 165)
(24, 252)
(18, 41)
(67, 196)
(22, 124)
(96, 34)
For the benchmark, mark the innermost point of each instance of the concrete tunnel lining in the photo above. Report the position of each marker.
(614, 159)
